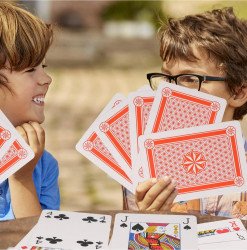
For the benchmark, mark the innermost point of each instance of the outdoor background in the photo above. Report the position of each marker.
(100, 48)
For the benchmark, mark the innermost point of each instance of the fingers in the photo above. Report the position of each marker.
(163, 198)
(23, 133)
(33, 134)
(158, 196)
(143, 187)
(39, 131)
(168, 203)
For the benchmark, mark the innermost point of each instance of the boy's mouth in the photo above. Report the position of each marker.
(39, 99)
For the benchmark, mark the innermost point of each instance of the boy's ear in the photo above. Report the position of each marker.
(238, 99)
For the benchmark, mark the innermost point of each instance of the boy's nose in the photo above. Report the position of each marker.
(45, 79)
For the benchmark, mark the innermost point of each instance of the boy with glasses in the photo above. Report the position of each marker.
(207, 52)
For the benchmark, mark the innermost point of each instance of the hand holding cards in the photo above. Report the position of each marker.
(175, 132)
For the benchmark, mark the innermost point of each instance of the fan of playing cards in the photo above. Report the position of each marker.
(14, 151)
(74, 230)
(174, 131)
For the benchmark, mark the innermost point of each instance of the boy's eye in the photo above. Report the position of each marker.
(30, 70)
(44, 66)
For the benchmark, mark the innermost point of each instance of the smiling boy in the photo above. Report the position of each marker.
(25, 40)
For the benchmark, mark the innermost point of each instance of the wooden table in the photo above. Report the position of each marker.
(11, 232)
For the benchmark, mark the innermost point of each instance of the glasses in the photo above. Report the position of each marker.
(192, 81)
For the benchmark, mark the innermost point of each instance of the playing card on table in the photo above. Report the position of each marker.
(201, 159)
(227, 241)
(206, 230)
(71, 230)
(93, 148)
(177, 107)
(224, 234)
(140, 104)
(153, 231)
(14, 151)
(23, 244)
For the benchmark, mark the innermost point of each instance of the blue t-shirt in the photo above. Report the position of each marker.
(45, 178)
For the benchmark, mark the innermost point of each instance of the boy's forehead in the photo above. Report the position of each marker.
(203, 64)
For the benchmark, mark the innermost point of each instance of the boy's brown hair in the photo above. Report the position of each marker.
(220, 34)
(24, 38)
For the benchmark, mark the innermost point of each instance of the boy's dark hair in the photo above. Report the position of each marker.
(220, 34)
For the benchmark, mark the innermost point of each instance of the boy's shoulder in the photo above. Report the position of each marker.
(47, 164)
(47, 156)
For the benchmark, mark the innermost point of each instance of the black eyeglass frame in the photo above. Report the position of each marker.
(174, 77)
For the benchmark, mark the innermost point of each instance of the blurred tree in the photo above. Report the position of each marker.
(150, 11)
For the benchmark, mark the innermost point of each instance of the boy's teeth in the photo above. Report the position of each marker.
(38, 99)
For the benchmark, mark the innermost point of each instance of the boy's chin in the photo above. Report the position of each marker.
(39, 120)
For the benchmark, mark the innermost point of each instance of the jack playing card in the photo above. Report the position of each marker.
(152, 231)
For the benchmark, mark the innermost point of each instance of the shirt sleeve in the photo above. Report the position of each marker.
(49, 193)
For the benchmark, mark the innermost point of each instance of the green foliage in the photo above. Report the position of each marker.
(240, 7)
(150, 11)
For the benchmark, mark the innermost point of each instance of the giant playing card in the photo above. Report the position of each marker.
(113, 130)
(92, 147)
(177, 107)
(14, 151)
(203, 160)
(140, 104)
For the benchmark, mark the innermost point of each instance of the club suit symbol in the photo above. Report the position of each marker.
(61, 217)
(90, 219)
(84, 243)
(53, 240)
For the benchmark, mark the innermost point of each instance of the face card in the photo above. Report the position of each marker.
(200, 159)
(71, 230)
(206, 230)
(140, 104)
(232, 240)
(152, 231)
(177, 107)
(94, 149)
